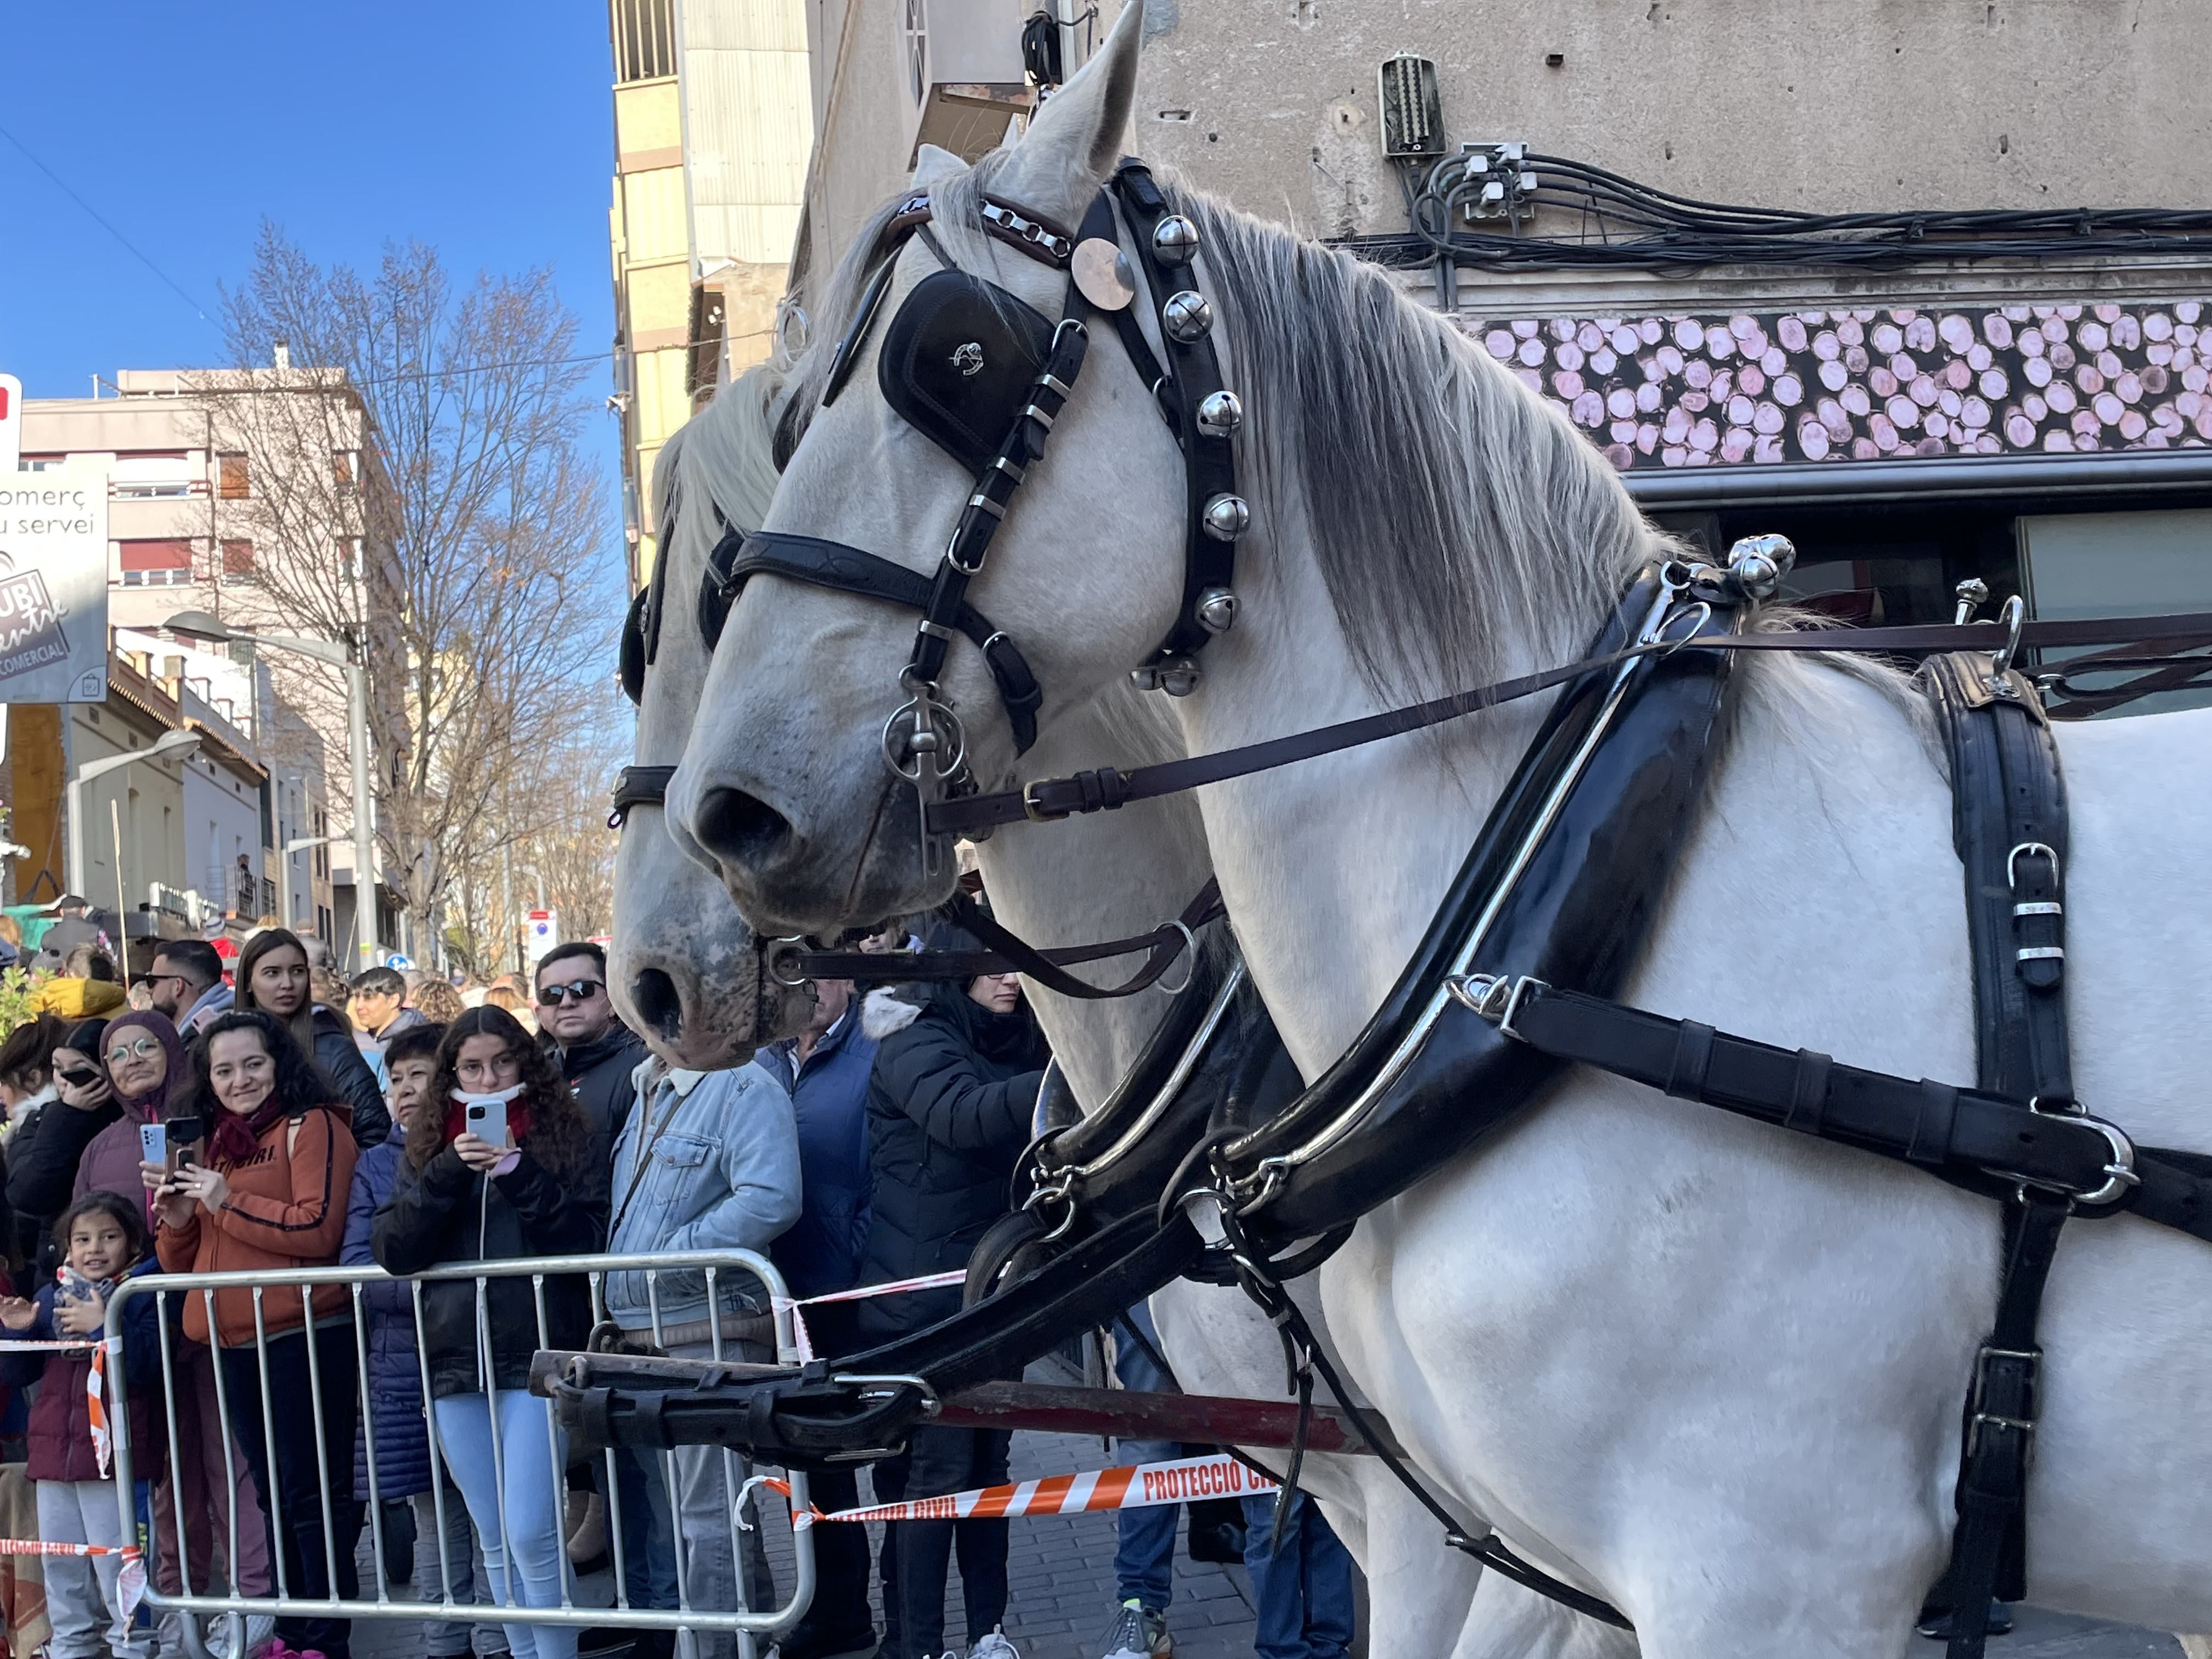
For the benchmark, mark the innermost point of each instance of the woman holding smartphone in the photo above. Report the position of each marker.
(499, 1164)
(266, 1188)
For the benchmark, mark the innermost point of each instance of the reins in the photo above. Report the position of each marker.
(1046, 800)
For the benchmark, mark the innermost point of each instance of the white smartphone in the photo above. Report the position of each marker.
(486, 1120)
(153, 1142)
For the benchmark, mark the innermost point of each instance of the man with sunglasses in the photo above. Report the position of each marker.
(186, 984)
(596, 1052)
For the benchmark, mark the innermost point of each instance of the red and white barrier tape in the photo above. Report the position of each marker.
(1135, 1486)
(129, 1578)
(25, 1344)
(863, 1294)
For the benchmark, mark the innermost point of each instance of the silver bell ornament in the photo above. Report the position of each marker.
(1757, 565)
(1219, 414)
(1175, 241)
(1146, 678)
(1226, 518)
(1179, 677)
(1187, 317)
(1217, 609)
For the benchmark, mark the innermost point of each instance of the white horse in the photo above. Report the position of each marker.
(1110, 877)
(1708, 1371)
(685, 972)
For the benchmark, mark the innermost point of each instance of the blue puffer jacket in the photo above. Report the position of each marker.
(393, 1403)
(830, 1096)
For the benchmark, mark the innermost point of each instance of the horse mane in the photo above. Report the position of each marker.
(1452, 512)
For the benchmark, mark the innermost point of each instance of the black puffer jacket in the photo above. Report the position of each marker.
(447, 1212)
(337, 1056)
(598, 1073)
(949, 1109)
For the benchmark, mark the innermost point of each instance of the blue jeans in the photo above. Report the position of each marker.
(648, 1547)
(526, 1555)
(1144, 1560)
(1303, 1593)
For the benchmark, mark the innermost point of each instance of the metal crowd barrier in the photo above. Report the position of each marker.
(335, 1465)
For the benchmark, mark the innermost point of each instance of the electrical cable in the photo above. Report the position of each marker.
(100, 219)
(1624, 224)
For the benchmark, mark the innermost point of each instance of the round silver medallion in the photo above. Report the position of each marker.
(1101, 274)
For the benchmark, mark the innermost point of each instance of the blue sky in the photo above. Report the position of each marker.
(481, 126)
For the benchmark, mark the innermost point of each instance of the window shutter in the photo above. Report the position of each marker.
(237, 558)
(234, 482)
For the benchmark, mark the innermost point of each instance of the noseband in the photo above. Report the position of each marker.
(984, 376)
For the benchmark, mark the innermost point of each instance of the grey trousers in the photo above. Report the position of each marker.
(464, 1565)
(80, 1590)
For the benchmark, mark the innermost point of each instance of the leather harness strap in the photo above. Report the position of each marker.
(1105, 789)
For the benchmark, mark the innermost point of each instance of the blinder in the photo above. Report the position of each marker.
(957, 361)
(641, 631)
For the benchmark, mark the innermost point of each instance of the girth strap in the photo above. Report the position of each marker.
(851, 570)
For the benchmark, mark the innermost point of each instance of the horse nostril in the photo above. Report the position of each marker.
(655, 995)
(739, 828)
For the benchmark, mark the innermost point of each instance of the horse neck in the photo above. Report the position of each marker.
(1334, 866)
(1110, 876)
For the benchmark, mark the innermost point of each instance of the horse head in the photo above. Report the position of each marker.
(792, 786)
(685, 971)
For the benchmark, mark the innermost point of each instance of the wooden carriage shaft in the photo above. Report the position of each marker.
(1120, 1413)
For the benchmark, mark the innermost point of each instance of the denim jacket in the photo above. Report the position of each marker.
(706, 1161)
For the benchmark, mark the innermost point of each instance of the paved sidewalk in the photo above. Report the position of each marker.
(1062, 1571)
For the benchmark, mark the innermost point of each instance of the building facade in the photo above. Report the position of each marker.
(244, 493)
(2023, 400)
(713, 128)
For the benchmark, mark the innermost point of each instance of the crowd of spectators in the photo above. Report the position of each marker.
(275, 1116)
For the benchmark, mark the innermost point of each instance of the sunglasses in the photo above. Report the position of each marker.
(143, 1047)
(582, 990)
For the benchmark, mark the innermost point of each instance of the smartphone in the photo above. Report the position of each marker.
(184, 1131)
(77, 1079)
(153, 1142)
(486, 1120)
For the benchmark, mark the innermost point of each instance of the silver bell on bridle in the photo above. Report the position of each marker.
(1175, 241)
(1219, 414)
(1186, 317)
(1757, 565)
(1216, 610)
(1226, 517)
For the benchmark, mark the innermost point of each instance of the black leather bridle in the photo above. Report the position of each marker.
(963, 359)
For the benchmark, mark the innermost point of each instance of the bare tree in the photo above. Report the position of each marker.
(417, 484)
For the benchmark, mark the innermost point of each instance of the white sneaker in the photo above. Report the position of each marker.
(1138, 1632)
(994, 1646)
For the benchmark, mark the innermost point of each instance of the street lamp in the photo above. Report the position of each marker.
(168, 744)
(199, 625)
(297, 844)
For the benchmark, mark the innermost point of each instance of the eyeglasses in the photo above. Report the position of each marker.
(143, 1047)
(582, 990)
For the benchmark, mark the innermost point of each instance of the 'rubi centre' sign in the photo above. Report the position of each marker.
(53, 585)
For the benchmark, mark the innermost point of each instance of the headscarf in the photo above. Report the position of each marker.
(149, 1108)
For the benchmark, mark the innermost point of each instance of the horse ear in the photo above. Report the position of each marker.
(1077, 137)
(933, 165)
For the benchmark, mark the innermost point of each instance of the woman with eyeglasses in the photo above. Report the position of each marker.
(499, 1164)
(273, 975)
(259, 1183)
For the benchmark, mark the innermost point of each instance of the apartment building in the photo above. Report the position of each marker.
(713, 128)
(236, 493)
